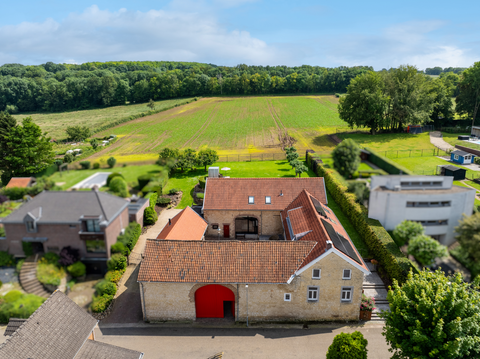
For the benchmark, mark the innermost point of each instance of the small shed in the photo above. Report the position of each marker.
(461, 157)
(475, 131)
(453, 171)
(415, 129)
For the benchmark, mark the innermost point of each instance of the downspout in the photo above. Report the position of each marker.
(143, 302)
(238, 302)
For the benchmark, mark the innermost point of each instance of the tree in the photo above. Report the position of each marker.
(187, 159)
(360, 190)
(346, 157)
(300, 168)
(290, 150)
(407, 230)
(68, 158)
(111, 162)
(468, 100)
(94, 143)
(78, 133)
(292, 157)
(168, 157)
(443, 93)
(26, 150)
(365, 104)
(468, 235)
(433, 316)
(151, 104)
(7, 124)
(207, 157)
(425, 249)
(348, 346)
(119, 187)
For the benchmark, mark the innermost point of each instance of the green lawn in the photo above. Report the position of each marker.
(472, 184)
(452, 138)
(391, 141)
(428, 165)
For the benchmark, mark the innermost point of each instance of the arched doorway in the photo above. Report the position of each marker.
(214, 301)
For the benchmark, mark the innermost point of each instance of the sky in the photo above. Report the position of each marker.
(381, 34)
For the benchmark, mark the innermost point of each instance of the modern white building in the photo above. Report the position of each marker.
(431, 200)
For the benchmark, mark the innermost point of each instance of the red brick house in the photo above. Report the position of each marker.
(87, 220)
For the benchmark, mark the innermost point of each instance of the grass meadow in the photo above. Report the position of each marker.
(237, 125)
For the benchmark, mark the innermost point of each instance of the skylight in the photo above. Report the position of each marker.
(268, 200)
(251, 200)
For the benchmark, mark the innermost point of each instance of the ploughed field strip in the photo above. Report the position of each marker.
(239, 125)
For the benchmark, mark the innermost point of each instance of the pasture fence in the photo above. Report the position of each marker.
(428, 152)
(250, 157)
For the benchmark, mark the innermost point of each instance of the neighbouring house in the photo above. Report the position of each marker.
(22, 182)
(59, 329)
(136, 209)
(250, 208)
(461, 157)
(313, 273)
(432, 201)
(87, 220)
(186, 225)
(457, 173)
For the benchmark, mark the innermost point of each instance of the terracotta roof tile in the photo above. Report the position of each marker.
(19, 182)
(233, 193)
(222, 261)
(186, 225)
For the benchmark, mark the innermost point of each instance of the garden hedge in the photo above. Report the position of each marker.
(18, 305)
(77, 269)
(377, 239)
(99, 304)
(386, 164)
(131, 235)
(117, 262)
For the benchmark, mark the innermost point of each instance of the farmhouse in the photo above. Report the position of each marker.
(308, 270)
(87, 220)
(59, 329)
(431, 200)
(461, 157)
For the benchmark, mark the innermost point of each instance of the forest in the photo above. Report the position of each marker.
(61, 87)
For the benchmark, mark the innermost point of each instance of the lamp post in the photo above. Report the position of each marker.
(246, 286)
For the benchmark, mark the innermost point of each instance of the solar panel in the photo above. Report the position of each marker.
(340, 242)
(318, 207)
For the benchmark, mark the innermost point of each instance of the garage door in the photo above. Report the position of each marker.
(211, 300)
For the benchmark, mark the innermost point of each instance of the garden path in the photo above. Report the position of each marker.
(127, 307)
(373, 286)
(437, 140)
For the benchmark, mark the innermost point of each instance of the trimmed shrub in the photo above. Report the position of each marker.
(144, 179)
(113, 276)
(173, 191)
(27, 248)
(117, 262)
(101, 303)
(160, 178)
(131, 235)
(201, 195)
(77, 269)
(202, 182)
(96, 165)
(112, 176)
(111, 162)
(12, 296)
(22, 307)
(49, 273)
(15, 193)
(106, 287)
(153, 186)
(85, 165)
(377, 239)
(152, 197)
(19, 265)
(119, 187)
(118, 247)
(386, 164)
(50, 258)
(348, 346)
(162, 201)
(2, 232)
(68, 158)
(68, 256)
(150, 216)
(6, 260)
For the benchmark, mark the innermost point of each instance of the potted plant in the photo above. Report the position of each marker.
(375, 263)
(366, 307)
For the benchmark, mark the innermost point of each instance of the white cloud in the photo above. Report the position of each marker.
(101, 35)
(413, 43)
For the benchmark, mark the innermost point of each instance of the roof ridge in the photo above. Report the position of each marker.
(101, 205)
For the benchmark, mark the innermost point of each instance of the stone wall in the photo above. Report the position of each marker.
(269, 222)
(175, 301)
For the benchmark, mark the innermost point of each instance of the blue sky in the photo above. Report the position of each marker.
(382, 34)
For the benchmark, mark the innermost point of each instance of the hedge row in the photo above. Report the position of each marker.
(377, 239)
(386, 164)
(139, 115)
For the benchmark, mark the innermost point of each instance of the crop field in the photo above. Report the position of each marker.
(55, 123)
(230, 126)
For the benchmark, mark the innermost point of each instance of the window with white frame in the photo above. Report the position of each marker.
(456, 157)
(347, 274)
(316, 273)
(287, 297)
(268, 200)
(251, 200)
(312, 294)
(346, 294)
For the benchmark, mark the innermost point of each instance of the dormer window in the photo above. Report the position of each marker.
(268, 200)
(31, 226)
(92, 225)
(251, 200)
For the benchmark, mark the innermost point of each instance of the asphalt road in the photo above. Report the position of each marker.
(245, 343)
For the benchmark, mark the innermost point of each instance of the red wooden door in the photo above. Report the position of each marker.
(226, 231)
(209, 301)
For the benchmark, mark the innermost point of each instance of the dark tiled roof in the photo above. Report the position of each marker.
(222, 261)
(97, 350)
(68, 207)
(186, 225)
(304, 217)
(453, 168)
(13, 325)
(57, 330)
(233, 193)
